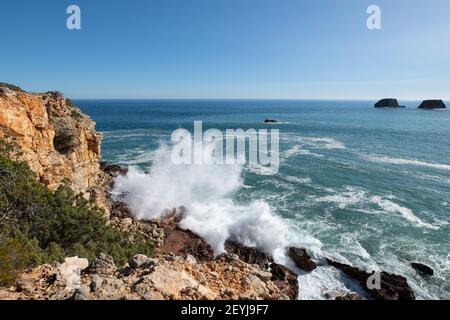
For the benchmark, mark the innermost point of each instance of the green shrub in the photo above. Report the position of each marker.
(45, 226)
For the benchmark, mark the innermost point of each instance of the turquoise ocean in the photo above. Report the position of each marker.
(366, 186)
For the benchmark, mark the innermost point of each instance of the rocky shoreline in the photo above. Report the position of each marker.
(60, 143)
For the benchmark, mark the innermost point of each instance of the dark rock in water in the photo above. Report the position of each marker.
(392, 286)
(270, 121)
(388, 103)
(285, 280)
(302, 259)
(422, 268)
(432, 104)
(249, 255)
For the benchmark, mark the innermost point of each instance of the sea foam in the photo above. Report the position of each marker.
(205, 191)
(414, 162)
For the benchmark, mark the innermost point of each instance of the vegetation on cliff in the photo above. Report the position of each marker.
(39, 226)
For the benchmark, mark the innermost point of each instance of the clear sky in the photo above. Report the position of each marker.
(283, 49)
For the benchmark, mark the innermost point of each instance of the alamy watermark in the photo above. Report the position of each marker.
(233, 146)
(73, 21)
(374, 19)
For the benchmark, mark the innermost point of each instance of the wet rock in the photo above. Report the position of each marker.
(422, 268)
(113, 169)
(270, 121)
(432, 104)
(388, 103)
(391, 286)
(301, 259)
(285, 280)
(248, 254)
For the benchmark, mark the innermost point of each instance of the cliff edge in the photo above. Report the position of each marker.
(57, 141)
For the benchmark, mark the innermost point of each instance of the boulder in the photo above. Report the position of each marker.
(301, 259)
(422, 268)
(142, 261)
(103, 264)
(270, 121)
(248, 254)
(391, 286)
(285, 280)
(70, 271)
(388, 103)
(432, 104)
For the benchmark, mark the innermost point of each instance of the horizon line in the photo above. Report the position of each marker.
(267, 99)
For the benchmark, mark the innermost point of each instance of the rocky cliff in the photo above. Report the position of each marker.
(56, 139)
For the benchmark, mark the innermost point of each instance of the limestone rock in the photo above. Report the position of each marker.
(141, 261)
(103, 264)
(70, 271)
(56, 139)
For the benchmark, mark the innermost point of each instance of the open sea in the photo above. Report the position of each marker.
(365, 186)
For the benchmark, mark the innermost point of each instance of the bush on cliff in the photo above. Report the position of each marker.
(39, 226)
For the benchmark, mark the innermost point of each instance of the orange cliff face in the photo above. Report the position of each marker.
(56, 139)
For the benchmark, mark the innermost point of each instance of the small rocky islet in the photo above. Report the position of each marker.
(425, 105)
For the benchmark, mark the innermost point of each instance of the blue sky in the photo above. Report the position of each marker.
(264, 49)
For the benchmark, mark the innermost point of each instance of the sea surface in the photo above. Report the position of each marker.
(366, 186)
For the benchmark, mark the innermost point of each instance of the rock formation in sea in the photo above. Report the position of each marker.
(301, 259)
(391, 286)
(56, 139)
(432, 104)
(422, 268)
(388, 103)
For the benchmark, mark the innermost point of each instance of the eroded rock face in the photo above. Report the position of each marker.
(56, 139)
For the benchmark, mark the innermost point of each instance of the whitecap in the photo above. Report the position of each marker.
(400, 161)
(408, 214)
